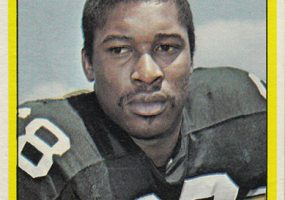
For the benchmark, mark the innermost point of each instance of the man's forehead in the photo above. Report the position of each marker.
(142, 16)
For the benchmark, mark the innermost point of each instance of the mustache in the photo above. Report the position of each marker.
(144, 93)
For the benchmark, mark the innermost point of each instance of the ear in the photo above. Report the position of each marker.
(87, 66)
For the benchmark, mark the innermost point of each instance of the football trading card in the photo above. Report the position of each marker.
(110, 99)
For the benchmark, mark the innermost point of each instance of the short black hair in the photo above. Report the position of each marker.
(94, 16)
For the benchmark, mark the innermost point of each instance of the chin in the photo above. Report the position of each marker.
(149, 128)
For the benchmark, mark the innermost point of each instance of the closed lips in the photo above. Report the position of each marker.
(147, 105)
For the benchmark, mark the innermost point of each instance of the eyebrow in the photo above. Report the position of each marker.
(162, 36)
(116, 37)
(124, 38)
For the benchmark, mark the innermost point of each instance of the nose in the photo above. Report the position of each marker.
(147, 71)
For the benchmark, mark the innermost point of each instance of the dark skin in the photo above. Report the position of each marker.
(141, 64)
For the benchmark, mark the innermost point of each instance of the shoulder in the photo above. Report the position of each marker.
(226, 112)
(53, 143)
(225, 81)
(221, 93)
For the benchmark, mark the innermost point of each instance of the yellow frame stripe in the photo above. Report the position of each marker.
(12, 99)
(272, 99)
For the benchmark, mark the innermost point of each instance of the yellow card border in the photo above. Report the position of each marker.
(12, 98)
(272, 98)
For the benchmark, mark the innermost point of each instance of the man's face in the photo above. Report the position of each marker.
(141, 64)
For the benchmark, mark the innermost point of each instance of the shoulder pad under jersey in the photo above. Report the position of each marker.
(221, 93)
(53, 146)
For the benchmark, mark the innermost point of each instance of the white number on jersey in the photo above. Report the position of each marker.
(261, 88)
(46, 161)
(218, 186)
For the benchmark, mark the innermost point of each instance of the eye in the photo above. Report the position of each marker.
(166, 48)
(119, 50)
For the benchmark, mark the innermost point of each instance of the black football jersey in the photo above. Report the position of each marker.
(70, 149)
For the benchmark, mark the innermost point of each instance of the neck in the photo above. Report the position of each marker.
(160, 149)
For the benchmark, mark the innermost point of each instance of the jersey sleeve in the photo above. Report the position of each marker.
(29, 189)
(227, 116)
(222, 93)
(53, 146)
